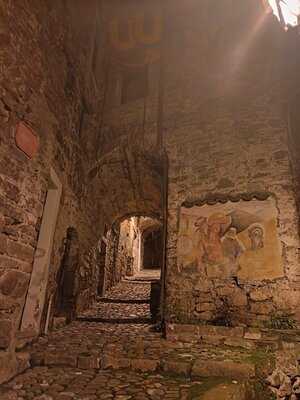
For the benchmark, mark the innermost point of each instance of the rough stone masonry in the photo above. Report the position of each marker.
(185, 113)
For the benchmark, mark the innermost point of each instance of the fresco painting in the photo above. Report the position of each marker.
(231, 240)
(135, 35)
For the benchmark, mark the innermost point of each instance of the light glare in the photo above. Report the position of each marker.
(290, 10)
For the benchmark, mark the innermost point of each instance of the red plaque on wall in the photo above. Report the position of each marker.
(26, 140)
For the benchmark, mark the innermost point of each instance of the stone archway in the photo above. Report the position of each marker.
(127, 182)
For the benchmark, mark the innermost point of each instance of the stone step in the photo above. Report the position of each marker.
(188, 367)
(123, 301)
(225, 391)
(136, 320)
(224, 369)
(143, 280)
(248, 338)
(24, 338)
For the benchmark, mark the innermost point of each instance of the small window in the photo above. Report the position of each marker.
(134, 84)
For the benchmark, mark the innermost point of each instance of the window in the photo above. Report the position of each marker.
(134, 84)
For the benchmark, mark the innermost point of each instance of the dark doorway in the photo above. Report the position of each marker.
(101, 265)
(67, 277)
(153, 249)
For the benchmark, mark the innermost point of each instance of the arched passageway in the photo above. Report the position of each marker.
(127, 185)
(131, 247)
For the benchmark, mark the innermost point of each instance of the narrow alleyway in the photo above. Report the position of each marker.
(111, 352)
(128, 302)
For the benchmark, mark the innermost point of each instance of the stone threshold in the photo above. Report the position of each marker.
(117, 321)
(199, 368)
(121, 301)
(248, 338)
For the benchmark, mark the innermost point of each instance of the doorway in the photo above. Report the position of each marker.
(35, 298)
(153, 249)
(101, 266)
(67, 277)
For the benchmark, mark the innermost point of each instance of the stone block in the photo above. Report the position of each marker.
(23, 362)
(144, 365)
(202, 307)
(8, 394)
(59, 322)
(8, 305)
(8, 366)
(11, 263)
(14, 284)
(267, 345)
(221, 331)
(262, 308)
(88, 362)
(21, 251)
(177, 368)
(110, 361)
(37, 359)
(240, 342)
(205, 316)
(253, 334)
(182, 332)
(226, 369)
(69, 360)
(3, 244)
(214, 340)
(11, 191)
(227, 391)
(239, 298)
(203, 285)
(261, 294)
(225, 291)
(6, 327)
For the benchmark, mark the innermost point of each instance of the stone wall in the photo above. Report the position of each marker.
(127, 243)
(214, 96)
(217, 98)
(227, 140)
(110, 274)
(44, 83)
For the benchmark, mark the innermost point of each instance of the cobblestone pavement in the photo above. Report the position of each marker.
(121, 344)
(121, 361)
(55, 383)
(130, 289)
(127, 300)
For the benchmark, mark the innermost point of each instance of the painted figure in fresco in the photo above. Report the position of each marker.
(201, 229)
(256, 234)
(231, 245)
(210, 231)
(234, 239)
(217, 223)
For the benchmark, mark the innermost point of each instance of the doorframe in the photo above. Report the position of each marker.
(36, 295)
